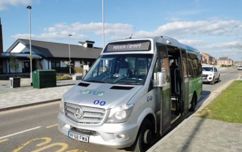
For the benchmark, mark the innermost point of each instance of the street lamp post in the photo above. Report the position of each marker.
(103, 24)
(29, 7)
(69, 45)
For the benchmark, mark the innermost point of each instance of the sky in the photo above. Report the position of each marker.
(211, 26)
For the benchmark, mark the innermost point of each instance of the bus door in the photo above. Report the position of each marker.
(176, 77)
(164, 92)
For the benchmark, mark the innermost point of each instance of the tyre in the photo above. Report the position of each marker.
(145, 137)
(213, 81)
(193, 103)
(219, 78)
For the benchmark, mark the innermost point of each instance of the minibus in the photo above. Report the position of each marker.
(137, 89)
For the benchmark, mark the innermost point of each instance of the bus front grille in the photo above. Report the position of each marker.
(85, 115)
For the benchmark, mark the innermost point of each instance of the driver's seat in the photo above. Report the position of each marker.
(123, 69)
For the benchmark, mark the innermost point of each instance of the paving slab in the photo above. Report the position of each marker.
(10, 100)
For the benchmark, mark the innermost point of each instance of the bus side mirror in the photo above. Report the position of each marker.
(159, 80)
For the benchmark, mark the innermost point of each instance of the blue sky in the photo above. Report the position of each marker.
(212, 26)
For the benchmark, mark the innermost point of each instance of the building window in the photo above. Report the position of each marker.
(55, 64)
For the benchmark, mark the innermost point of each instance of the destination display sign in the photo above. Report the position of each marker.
(128, 46)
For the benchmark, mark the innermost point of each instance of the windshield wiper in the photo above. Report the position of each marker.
(98, 81)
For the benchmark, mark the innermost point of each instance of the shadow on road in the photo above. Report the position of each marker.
(204, 96)
(192, 135)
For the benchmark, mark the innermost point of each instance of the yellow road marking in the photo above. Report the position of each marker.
(45, 144)
(62, 147)
(46, 141)
(4, 140)
(51, 126)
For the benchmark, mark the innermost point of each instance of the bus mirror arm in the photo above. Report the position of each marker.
(159, 80)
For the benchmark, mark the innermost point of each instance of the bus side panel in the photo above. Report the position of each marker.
(185, 90)
(196, 86)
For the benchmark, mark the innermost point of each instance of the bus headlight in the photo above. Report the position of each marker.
(61, 106)
(119, 115)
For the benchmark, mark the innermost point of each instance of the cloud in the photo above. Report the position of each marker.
(6, 3)
(231, 49)
(211, 36)
(81, 31)
(216, 37)
(203, 27)
(177, 29)
(193, 42)
(117, 29)
(229, 45)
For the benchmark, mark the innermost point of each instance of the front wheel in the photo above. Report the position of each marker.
(218, 78)
(213, 81)
(145, 137)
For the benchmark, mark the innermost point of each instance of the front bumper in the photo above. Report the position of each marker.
(118, 135)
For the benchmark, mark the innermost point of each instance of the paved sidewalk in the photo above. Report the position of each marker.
(202, 135)
(26, 95)
(25, 85)
(29, 97)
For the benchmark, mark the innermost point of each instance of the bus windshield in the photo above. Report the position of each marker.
(120, 69)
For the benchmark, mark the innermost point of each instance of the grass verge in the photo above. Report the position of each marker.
(227, 106)
(63, 77)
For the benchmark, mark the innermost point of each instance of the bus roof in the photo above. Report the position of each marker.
(161, 39)
(173, 42)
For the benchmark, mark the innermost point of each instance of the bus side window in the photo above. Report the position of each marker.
(165, 65)
(162, 64)
(193, 65)
(165, 68)
(189, 65)
(155, 70)
(184, 63)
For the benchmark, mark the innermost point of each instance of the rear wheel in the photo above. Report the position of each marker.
(145, 137)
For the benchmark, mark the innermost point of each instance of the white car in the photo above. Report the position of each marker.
(239, 67)
(210, 74)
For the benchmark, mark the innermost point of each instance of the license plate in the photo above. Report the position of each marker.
(79, 137)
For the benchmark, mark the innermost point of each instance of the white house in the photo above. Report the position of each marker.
(47, 55)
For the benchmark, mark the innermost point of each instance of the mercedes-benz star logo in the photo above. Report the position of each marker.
(78, 113)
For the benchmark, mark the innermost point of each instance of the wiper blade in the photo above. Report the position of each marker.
(98, 81)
